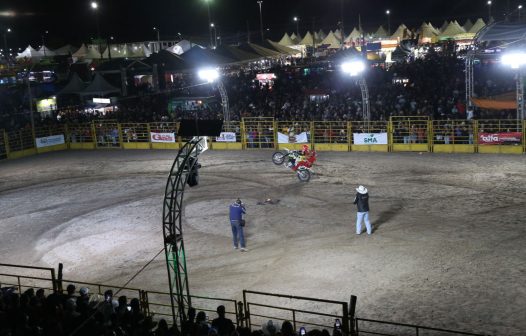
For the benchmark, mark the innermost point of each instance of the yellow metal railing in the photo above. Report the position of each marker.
(398, 134)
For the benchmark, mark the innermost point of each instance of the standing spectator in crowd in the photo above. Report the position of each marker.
(224, 326)
(362, 202)
(237, 209)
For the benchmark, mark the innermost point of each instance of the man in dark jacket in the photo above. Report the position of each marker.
(237, 209)
(224, 326)
(362, 202)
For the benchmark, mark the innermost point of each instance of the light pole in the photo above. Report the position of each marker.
(6, 50)
(260, 3)
(44, 41)
(519, 9)
(95, 8)
(213, 26)
(388, 13)
(489, 10)
(158, 38)
(355, 68)
(209, 23)
(297, 20)
(517, 61)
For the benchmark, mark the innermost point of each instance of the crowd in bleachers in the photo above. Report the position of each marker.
(432, 86)
(79, 312)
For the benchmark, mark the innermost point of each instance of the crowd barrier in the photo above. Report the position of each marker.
(253, 311)
(400, 134)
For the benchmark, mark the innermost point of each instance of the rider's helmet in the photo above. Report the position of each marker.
(305, 148)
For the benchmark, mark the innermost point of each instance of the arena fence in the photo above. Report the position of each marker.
(255, 309)
(400, 134)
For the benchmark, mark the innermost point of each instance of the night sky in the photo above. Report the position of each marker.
(132, 20)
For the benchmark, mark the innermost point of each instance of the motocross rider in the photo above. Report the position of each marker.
(300, 156)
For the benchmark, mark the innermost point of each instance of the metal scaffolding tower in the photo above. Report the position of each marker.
(184, 166)
(365, 99)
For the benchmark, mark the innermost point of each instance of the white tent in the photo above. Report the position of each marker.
(317, 37)
(400, 33)
(286, 40)
(137, 50)
(435, 29)
(29, 52)
(452, 30)
(331, 41)
(444, 26)
(308, 40)
(427, 31)
(322, 34)
(46, 52)
(479, 24)
(65, 50)
(81, 52)
(467, 26)
(93, 53)
(381, 33)
(338, 34)
(353, 36)
(99, 87)
(295, 39)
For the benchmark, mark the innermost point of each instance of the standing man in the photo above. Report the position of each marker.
(237, 209)
(362, 202)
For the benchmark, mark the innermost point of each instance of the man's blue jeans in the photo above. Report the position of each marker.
(363, 216)
(237, 233)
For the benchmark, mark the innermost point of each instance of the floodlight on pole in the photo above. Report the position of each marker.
(94, 5)
(208, 74)
(388, 13)
(297, 20)
(260, 3)
(514, 60)
(517, 61)
(489, 10)
(353, 68)
(519, 10)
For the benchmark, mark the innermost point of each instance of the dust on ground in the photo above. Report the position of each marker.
(448, 248)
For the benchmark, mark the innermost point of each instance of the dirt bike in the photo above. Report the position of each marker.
(287, 157)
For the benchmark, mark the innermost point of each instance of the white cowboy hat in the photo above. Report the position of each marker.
(361, 190)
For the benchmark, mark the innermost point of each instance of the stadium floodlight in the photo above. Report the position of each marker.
(353, 68)
(94, 5)
(210, 75)
(514, 60)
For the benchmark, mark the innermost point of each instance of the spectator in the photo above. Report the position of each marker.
(224, 326)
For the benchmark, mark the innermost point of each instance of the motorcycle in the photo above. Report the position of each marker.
(291, 158)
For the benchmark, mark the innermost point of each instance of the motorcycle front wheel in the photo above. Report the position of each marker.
(303, 175)
(278, 158)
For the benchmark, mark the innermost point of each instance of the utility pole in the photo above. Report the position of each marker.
(260, 3)
(248, 32)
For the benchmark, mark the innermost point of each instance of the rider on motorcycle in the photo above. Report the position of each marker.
(306, 158)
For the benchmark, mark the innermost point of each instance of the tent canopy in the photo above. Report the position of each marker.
(99, 87)
(331, 41)
(308, 39)
(503, 32)
(199, 57)
(29, 52)
(181, 47)
(235, 53)
(279, 48)
(380, 32)
(168, 61)
(468, 25)
(400, 33)
(258, 50)
(74, 86)
(286, 40)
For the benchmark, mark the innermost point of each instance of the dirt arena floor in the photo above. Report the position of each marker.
(448, 249)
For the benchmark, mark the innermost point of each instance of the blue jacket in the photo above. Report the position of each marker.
(236, 212)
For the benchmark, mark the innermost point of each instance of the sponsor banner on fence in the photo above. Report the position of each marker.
(505, 138)
(295, 138)
(162, 137)
(370, 138)
(226, 137)
(50, 141)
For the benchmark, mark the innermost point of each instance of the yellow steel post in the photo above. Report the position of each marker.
(119, 130)
(311, 127)
(94, 134)
(349, 135)
(430, 136)
(66, 135)
(524, 136)
(275, 133)
(242, 134)
(6, 142)
(148, 130)
(390, 135)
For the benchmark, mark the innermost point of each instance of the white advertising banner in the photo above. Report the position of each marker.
(297, 138)
(226, 137)
(162, 137)
(370, 138)
(50, 141)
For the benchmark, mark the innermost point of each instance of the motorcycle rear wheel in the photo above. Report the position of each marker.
(304, 175)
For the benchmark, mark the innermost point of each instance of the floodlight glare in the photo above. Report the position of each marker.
(94, 5)
(353, 68)
(209, 75)
(515, 60)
